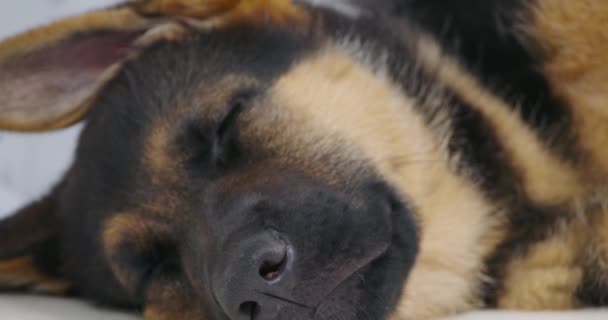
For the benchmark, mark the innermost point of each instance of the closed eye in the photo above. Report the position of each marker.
(226, 135)
(212, 146)
(237, 106)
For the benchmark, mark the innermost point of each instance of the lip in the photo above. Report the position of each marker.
(345, 278)
(351, 277)
(309, 297)
(313, 308)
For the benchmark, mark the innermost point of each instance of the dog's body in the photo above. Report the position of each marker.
(271, 160)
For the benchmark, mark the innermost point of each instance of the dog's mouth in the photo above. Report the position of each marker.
(316, 309)
(305, 263)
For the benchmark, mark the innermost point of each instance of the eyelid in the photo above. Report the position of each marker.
(238, 104)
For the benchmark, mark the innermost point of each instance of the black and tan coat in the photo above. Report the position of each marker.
(369, 160)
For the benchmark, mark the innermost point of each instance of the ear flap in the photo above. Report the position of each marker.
(220, 13)
(50, 76)
(28, 250)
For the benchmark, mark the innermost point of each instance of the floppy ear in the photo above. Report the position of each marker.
(29, 250)
(221, 13)
(50, 75)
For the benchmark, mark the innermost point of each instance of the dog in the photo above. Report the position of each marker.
(363, 160)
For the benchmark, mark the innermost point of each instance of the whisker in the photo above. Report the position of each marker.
(285, 300)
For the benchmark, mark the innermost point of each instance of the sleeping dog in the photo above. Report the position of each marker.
(363, 160)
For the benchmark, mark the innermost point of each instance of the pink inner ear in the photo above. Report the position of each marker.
(97, 51)
(52, 81)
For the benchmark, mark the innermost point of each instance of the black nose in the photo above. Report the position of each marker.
(253, 272)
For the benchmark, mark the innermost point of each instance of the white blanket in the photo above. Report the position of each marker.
(38, 308)
(29, 165)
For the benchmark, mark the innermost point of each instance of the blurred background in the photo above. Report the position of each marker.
(30, 164)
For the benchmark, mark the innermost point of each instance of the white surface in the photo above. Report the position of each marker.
(38, 308)
(30, 164)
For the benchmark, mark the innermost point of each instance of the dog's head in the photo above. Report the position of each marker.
(235, 164)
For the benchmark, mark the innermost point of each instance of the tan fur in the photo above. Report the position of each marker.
(165, 299)
(115, 232)
(411, 156)
(139, 232)
(547, 277)
(221, 13)
(545, 178)
(573, 40)
(20, 273)
(160, 164)
(573, 36)
(170, 300)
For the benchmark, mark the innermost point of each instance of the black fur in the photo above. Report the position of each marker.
(489, 38)
(592, 293)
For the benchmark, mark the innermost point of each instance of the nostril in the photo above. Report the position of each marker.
(251, 309)
(257, 268)
(271, 270)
